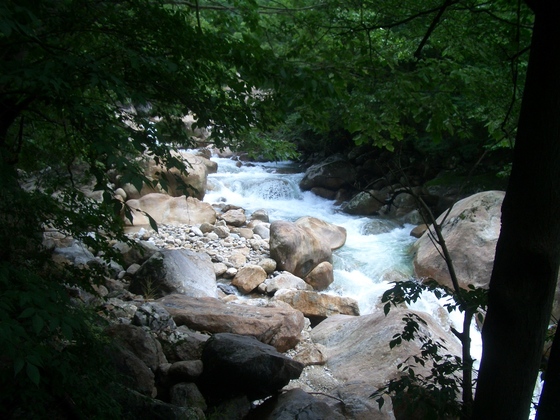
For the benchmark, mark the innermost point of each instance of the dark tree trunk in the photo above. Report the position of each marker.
(549, 404)
(528, 251)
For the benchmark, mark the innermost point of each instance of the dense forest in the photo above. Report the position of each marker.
(461, 85)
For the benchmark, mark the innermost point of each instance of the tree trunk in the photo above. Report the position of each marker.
(528, 251)
(549, 403)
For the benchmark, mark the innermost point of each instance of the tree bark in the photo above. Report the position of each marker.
(549, 403)
(528, 251)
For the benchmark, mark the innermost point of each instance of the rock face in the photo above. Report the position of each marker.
(176, 271)
(237, 365)
(317, 306)
(357, 348)
(279, 327)
(295, 249)
(471, 232)
(171, 210)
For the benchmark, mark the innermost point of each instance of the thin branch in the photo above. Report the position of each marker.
(433, 26)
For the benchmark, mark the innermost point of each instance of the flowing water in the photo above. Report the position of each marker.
(377, 250)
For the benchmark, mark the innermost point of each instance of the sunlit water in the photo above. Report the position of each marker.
(377, 250)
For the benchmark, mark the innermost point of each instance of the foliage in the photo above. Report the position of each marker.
(86, 86)
(436, 394)
(386, 72)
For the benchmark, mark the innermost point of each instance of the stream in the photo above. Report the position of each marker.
(377, 250)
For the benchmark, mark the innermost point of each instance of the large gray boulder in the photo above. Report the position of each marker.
(366, 203)
(358, 351)
(471, 231)
(332, 174)
(278, 326)
(176, 271)
(238, 365)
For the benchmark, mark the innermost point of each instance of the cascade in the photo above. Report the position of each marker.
(377, 250)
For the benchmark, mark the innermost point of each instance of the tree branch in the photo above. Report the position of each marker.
(433, 26)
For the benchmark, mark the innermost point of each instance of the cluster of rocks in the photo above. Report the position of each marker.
(222, 313)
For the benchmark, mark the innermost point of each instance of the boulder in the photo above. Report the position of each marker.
(332, 174)
(471, 232)
(357, 348)
(135, 374)
(268, 265)
(285, 280)
(187, 395)
(195, 178)
(366, 203)
(234, 217)
(139, 342)
(176, 271)
(279, 327)
(317, 306)
(294, 404)
(185, 371)
(188, 347)
(296, 249)
(248, 278)
(239, 365)
(321, 276)
(170, 210)
(262, 229)
(154, 316)
(334, 235)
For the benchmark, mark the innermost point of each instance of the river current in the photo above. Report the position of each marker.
(377, 250)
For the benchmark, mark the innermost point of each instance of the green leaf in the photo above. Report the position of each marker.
(38, 324)
(18, 366)
(33, 373)
(153, 223)
(386, 308)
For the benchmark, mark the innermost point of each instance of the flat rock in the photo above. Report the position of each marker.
(279, 327)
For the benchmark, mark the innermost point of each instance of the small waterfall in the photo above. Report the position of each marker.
(376, 250)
